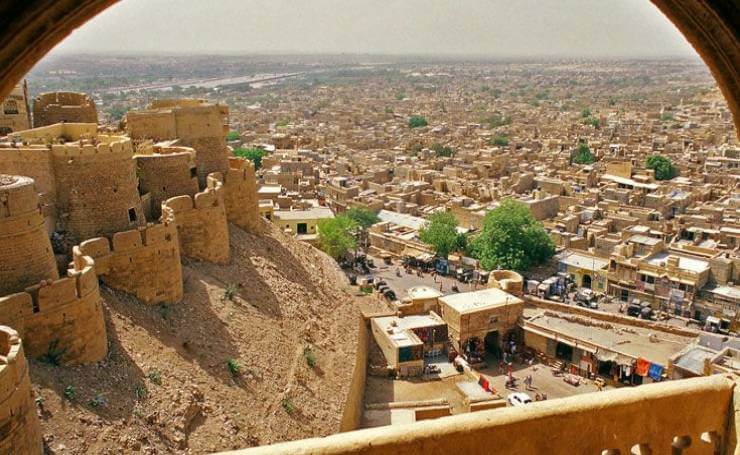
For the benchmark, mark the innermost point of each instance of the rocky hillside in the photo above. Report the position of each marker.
(259, 351)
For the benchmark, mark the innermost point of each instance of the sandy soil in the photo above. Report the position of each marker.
(166, 386)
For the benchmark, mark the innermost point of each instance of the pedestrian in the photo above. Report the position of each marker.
(440, 287)
(599, 386)
(531, 381)
(501, 367)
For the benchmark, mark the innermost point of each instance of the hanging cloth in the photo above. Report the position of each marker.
(642, 367)
(655, 372)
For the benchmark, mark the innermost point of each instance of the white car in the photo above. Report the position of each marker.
(518, 399)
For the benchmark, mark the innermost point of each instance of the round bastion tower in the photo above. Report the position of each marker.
(97, 192)
(26, 257)
(21, 431)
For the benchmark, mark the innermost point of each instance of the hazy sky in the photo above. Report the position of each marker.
(589, 28)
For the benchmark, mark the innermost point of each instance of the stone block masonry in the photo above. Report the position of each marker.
(201, 223)
(63, 107)
(20, 431)
(167, 172)
(240, 195)
(62, 317)
(25, 249)
(143, 262)
(96, 187)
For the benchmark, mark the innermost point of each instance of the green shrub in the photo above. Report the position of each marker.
(53, 355)
(234, 367)
(288, 406)
(417, 121)
(155, 377)
(98, 401)
(70, 392)
(310, 357)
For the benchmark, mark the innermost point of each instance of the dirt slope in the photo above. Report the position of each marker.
(166, 387)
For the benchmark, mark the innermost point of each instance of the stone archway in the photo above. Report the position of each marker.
(31, 28)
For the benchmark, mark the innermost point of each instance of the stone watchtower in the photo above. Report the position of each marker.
(21, 431)
(96, 182)
(63, 107)
(25, 249)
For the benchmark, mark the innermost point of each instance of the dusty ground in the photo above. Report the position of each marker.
(166, 386)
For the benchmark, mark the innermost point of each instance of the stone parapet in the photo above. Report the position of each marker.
(144, 262)
(20, 429)
(201, 223)
(62, 317)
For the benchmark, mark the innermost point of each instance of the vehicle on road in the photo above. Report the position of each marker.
(518, 399)
(587, 298)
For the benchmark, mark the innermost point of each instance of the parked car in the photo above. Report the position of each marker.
(587, 298)
(518, 399)
(379, 283)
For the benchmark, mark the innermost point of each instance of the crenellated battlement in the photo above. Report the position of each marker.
(106, 147)
(21, 430)
(58, 107)
(240, 195)
(18, 197)
(64, 314)
(201, 222)
(144, 262)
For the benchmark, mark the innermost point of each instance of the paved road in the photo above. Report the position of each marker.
(409, 280)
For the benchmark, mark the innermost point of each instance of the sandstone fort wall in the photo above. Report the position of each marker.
(20, 431)
(64, 316)
(197, 124)
(60, 107)
(240, 195)
(97, 187)
(34, 162)
(26, 256)
(143, 262)
(201, 223)
(166, 173)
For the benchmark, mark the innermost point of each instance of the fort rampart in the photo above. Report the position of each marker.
(201, 223)
(97, 186)
(60, 319)
(240, 195)
(166, 172)
(59, 107)
(144, 262)
(20, 431)
(25, 249)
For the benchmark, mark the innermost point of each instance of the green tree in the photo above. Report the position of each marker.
(417, 121)
(362, 216)
(501, 141)
(582, 155)
(440, 232)
(233, 136)
(336, 236)
(586, 113)
(593, 121)
(254, 154)
(664, 169)
(512, 238)
(117, 112)
(442, 150)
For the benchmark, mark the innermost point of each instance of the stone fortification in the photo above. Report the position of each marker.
(144, 262)
(195, 123)
(26, 256)
(240, 195)
(63, 107)
(20, 429)
(96, 187)
(60, 319)
(201, 223)
(165, 172)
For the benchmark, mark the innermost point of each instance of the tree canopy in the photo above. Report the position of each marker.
(336, 236)
(664, 169)
(583, 155)
(511, 238)
(440, 232)
(362, 216)
(254, 154)
(417, 121)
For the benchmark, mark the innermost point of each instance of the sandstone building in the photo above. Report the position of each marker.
(63, 107)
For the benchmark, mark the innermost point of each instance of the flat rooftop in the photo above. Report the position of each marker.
(470, 302)
(594, 336)
(308, 214)
(583, 261)
(423, 292)
(685, 263)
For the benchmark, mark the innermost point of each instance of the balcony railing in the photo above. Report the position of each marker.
(690, 416)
